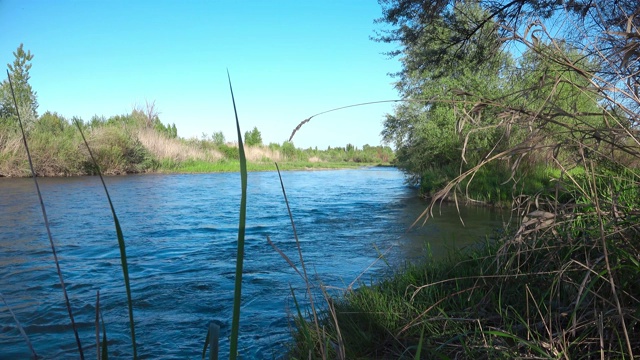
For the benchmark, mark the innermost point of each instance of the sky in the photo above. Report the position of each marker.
(288, 60)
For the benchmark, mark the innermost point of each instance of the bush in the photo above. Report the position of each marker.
(229, 152)
(117, 152)
(253, 137)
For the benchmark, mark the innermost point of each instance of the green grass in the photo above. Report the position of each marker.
(237, 292)
(198, 166)
(493, 183)
(497, 302)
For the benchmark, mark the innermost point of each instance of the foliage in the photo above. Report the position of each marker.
(288, 150)
(229, 152)
(426, 129)
(115, 152)
(218, 138)
(253, 137)
(25, 96)
(462, 111)
(411, 19)
(498, 301)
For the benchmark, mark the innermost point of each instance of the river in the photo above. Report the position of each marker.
(181, 233)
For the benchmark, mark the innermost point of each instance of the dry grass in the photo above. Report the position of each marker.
(11, 153)
(261, 153)
(164, 148)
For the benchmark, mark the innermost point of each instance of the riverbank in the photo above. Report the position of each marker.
(234, 166)
(200, 167)
(501, 301)
(561, 283)
(126, 145)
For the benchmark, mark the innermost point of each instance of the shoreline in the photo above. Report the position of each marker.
(229, 167)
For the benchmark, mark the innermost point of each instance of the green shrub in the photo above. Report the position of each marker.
(229, 152)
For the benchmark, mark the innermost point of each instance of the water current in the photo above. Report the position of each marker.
(181, 235)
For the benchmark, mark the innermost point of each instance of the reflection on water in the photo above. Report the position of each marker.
(181, 232)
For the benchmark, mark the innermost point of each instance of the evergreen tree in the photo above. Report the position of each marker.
(25, 96)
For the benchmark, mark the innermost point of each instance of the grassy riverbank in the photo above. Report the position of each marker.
(556, 285)
(543, 299)
(234, 165)
(134, 143)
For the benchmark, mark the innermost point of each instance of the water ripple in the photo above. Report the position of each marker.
(181, 234)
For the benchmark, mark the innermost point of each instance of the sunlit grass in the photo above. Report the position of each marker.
(196, 166)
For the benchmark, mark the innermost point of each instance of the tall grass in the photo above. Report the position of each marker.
(166, 149)
(46, 224)
(121, 246)
(237, 294)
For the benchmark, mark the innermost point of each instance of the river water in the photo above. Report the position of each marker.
(181, 233)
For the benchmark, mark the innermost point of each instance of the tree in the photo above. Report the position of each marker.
(425, 129)
(546, 86)
(253, 137)
(25, 96)
(288, 150)
(562, 95)
(608, 32)
(218, 138)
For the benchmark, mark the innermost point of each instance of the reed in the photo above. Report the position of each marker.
(121, 246)
(311, 337)
(34, 355)
(46, 224)
(235, 322)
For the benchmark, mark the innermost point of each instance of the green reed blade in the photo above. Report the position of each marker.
(121, 245)
(206, 344)
(46, 223)
(105, 348)
(419, 349)
(214, 340)
(98, 324)
(306, 333)
(235, 323)
(302, 265)
(24, 334)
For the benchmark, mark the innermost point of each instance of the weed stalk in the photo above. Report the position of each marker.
(237, 296)
(46, 223)
(121, 245)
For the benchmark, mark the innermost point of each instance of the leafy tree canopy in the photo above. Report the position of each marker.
(468, 99)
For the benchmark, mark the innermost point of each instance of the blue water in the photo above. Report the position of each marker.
(181, 233)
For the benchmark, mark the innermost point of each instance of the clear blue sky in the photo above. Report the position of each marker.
(288, 60)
